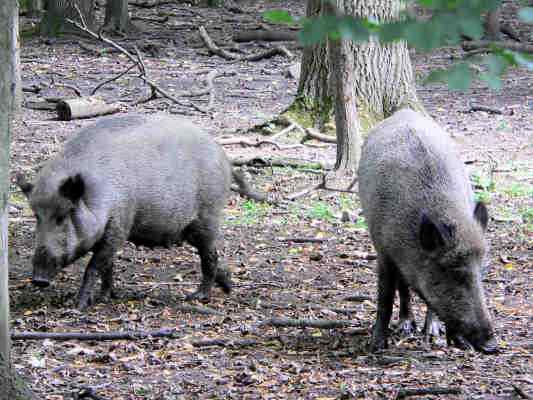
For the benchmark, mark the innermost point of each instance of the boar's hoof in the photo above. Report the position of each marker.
(223, 279)
(406, 326)
(85, 301)
(202, 295)
(459, 341)
(42, 283)
(378, 343)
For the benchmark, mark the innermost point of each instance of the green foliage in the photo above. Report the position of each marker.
(278, 17)
(526, 14)
(519, 190)
(483, 187)
(321, 210)
(450, 22)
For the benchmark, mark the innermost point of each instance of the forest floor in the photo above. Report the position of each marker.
(274, 274)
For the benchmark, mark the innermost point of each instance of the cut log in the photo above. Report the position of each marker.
(84, 107)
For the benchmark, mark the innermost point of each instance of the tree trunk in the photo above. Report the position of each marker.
(383, 79)
(492, 24)
(342, 76)
(117, 18)
(35, 8)
(57, 11)
(11, 387)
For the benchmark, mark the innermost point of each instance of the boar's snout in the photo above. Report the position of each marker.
(45, 267)
(481, 339)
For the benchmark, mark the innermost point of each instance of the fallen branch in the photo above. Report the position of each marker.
(197, 309)
(520, 392)
(138, 62)
(284, 131)
(304, 240)
(479, 107)
(309, 323)
(481, 44)
(264, 35)
(112, 79)
(247, 142)
(435, 391)
(305, 192)
(357, 298)
(225, 343)
(214, 49)
(314, 134)
(259, 161)
(278, 50)
(96, 336)
(152, 4)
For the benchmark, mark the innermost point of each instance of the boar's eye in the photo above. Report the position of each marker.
(60, 219)
(37, 218)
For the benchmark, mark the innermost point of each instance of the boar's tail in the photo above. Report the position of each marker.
(244, 189)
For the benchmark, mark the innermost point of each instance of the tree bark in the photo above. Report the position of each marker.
(117, 18)
(35, 8)
(492, 24)
(57, 11)
(383, 78)
(11, 387)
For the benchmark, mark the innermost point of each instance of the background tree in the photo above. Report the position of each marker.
(54, 21)
(383, 79)
(11, 387)
(117, 18)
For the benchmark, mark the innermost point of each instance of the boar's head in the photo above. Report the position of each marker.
(450, 277)
(55, 202)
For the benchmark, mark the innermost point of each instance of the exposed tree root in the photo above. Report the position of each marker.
(267, 161)
(487, 44)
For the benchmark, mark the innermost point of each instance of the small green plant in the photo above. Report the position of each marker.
(483, 186)
(519, 190)
(527, 215)
(251, 212)
(320, 210)
(361, 223)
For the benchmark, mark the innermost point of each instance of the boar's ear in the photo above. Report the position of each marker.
(23, 184)
(431, 237)
(72, 188)
(481, 214)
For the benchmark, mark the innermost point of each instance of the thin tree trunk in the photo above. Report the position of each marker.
(35, 8)
(342, 76)
(11, 387)
(57, 11)
(492, 24)
(117, 18)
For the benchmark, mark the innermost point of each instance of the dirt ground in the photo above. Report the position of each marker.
(274, 276)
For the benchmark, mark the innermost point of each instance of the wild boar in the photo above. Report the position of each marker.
(428, 231)
(152, 180)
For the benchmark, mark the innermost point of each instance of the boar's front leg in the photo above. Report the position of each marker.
(407, 324)
(101, 263)
(387, 281)
(202, 234)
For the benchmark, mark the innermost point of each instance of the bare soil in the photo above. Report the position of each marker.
(273, 277)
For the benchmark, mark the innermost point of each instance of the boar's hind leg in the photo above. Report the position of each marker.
(387, 281)
(101, 263)
(202, 235)
(432, 327)
(407, 324)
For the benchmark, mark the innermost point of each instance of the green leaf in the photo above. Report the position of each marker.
(278, 17)
(459, 77)
(526, 14)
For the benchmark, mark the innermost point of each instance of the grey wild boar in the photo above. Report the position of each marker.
(427, 229)
(155, 180)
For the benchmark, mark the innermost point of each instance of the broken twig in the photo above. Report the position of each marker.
(435, 391)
